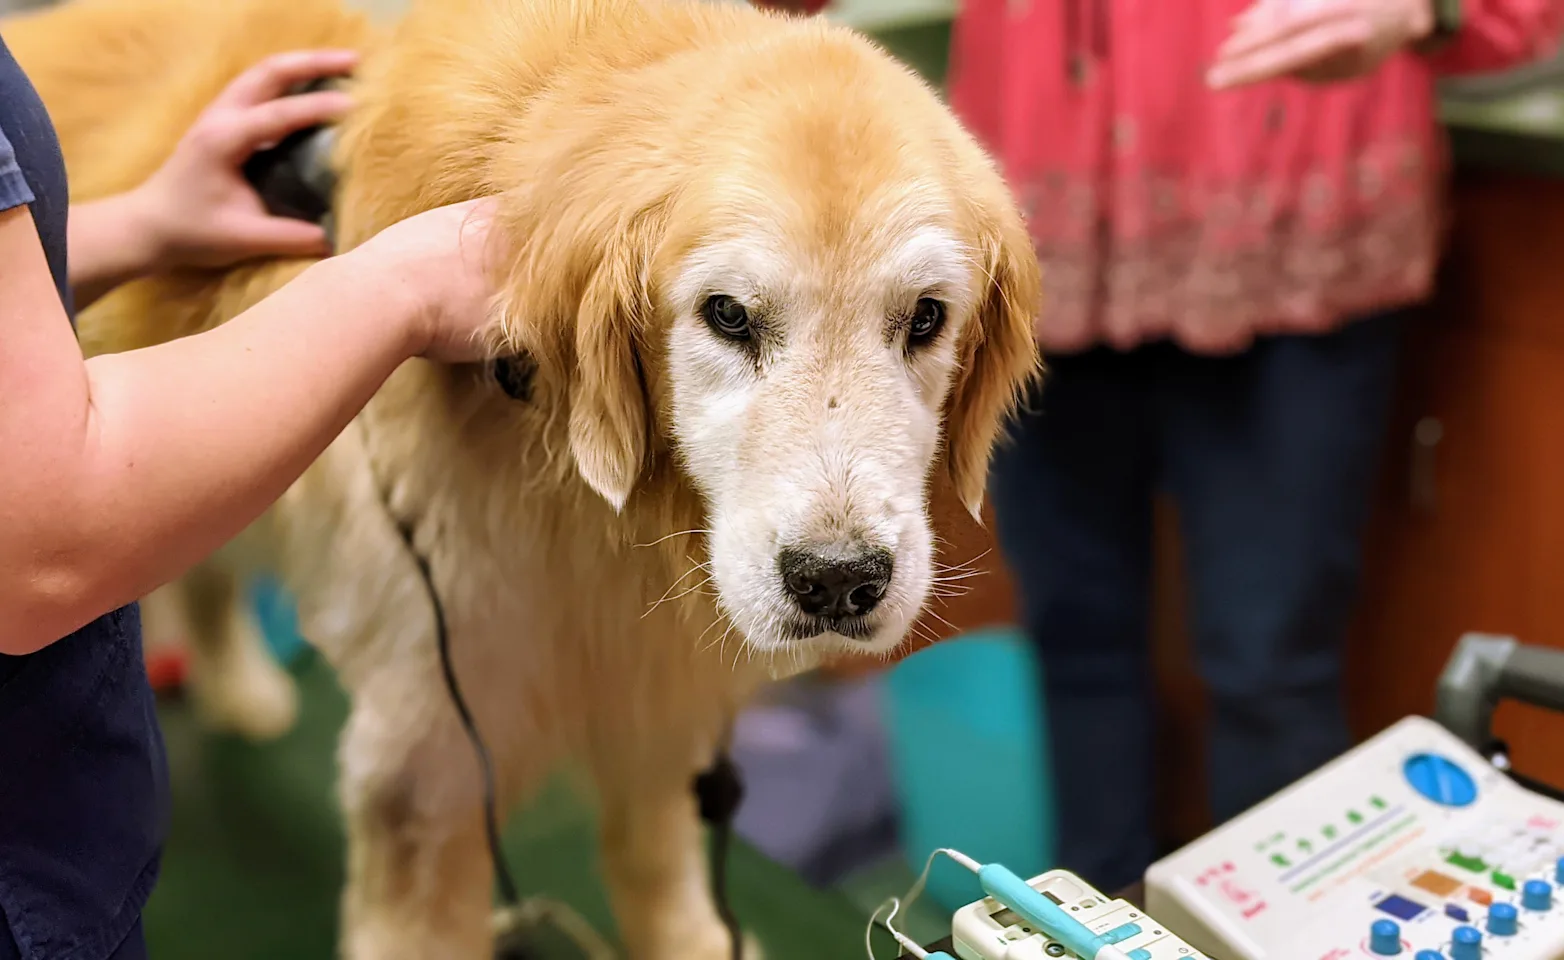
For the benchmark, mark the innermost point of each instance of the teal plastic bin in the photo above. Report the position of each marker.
(969, 749)
(279, 620)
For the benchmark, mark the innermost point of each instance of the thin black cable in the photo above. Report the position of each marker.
(491, 819)
(310, 193)
(721, 834)
(719, 791)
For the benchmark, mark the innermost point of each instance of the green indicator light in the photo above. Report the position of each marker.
(1474, 864)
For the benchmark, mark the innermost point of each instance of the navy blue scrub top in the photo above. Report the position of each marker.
(83, 778)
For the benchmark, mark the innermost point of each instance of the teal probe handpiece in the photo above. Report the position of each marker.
(1044, 914)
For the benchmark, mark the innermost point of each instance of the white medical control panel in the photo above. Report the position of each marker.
(1411, 845)
(988, 930)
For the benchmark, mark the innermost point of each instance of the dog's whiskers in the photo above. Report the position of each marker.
(709, 628)
(674, 586)
(935, 614)
(949, 593)
(676, 533)
(964, 565)
(924, 632)
(956, 578)
(695, 588)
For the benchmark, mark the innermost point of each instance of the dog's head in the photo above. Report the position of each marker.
(809, 286)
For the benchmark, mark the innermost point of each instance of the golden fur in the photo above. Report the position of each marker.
(645, 151)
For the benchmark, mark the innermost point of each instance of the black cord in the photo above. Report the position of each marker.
(719, 791)
(491, 819)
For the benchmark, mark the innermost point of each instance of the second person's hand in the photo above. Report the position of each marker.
(197, 209)
(1318, 40)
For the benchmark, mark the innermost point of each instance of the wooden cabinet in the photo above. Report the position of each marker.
(1469, 528)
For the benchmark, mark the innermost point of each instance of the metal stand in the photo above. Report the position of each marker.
(1485, 669)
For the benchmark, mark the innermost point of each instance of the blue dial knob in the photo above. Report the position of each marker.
(1385, 938)
(1502, 919)
(1466, 943)
(1558, 871)
(1537, 895)
(1440, 780)
(1429, 955)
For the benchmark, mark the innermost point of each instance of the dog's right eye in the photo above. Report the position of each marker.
(728, 317)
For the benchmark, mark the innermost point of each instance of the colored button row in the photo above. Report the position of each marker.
(1535, 894)
(1508, 857)
(1466, 943)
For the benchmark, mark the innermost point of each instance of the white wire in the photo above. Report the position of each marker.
(897, 904)
(868, 932)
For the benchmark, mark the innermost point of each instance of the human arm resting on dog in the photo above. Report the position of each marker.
(123, 471)
(197, 210)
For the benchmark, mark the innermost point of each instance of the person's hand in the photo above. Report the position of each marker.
(440, 262)
(197, 209)
(1318, 40)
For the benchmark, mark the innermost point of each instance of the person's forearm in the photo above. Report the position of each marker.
(109, 243)
(184, 444)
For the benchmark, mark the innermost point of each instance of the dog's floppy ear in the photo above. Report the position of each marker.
(609, 407)
(577, 300)
(997, 356)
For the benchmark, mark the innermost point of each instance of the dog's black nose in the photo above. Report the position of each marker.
(838, 585)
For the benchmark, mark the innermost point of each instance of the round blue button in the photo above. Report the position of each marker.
(1466, 943)
(1502, 919)
(1558, 871)
(1537, 895)
(1385, 938)
(1440, 780)
(1429, 955)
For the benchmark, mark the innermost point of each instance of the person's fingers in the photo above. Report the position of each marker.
(1292, 56)
(272, 77)
(1274, 24)
(282, 237)
(263, 125)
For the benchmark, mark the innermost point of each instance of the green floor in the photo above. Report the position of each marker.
(254, 863)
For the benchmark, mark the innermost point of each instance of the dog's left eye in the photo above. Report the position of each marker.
(927, 317)
(728, 317)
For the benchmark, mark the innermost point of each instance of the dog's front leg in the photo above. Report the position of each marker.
(236, 683)
(654, 864)
(419, 877)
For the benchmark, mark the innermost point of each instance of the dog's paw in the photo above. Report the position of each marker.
(259, 704)
(244, 691)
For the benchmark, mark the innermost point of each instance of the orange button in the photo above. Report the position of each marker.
(1478, 895)
(1437, 883)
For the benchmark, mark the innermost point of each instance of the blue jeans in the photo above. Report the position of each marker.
(1270, 456)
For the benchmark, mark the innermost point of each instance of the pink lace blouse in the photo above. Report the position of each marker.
(1163, 209)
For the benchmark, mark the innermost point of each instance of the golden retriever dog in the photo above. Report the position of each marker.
(768, 291)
